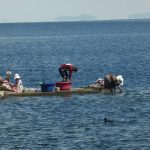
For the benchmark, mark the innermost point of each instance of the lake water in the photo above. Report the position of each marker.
(36, 50)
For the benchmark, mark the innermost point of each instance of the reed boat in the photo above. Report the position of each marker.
(82, 90)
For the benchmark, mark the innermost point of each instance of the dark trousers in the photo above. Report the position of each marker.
(110, 84)
(63, 73)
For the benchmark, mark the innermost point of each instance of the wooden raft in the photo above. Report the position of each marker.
(66, 92)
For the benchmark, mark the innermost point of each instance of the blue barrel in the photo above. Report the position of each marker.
(47, 87)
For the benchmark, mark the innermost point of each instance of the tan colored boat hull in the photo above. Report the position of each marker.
(67, 92)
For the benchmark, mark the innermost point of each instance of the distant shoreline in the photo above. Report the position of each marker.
(96, 20)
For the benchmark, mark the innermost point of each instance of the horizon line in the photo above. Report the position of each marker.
(92, 20)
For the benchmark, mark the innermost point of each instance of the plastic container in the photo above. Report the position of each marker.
(47, 87)
(64, 85)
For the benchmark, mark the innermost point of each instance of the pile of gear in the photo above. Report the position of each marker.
(110, 82)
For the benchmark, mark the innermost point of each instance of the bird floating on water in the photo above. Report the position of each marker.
(108, 120)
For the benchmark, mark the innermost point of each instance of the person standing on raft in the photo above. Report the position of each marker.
(66, 71)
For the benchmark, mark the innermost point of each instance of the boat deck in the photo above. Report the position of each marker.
(65, 92)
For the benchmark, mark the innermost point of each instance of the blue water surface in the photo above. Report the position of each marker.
(36, 50)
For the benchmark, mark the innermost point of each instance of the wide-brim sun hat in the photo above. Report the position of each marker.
(16, 76)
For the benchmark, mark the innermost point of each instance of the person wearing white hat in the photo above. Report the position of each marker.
(18, 83)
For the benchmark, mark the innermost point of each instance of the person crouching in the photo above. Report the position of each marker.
(5, 86)
(66, 70)
(112, 82)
